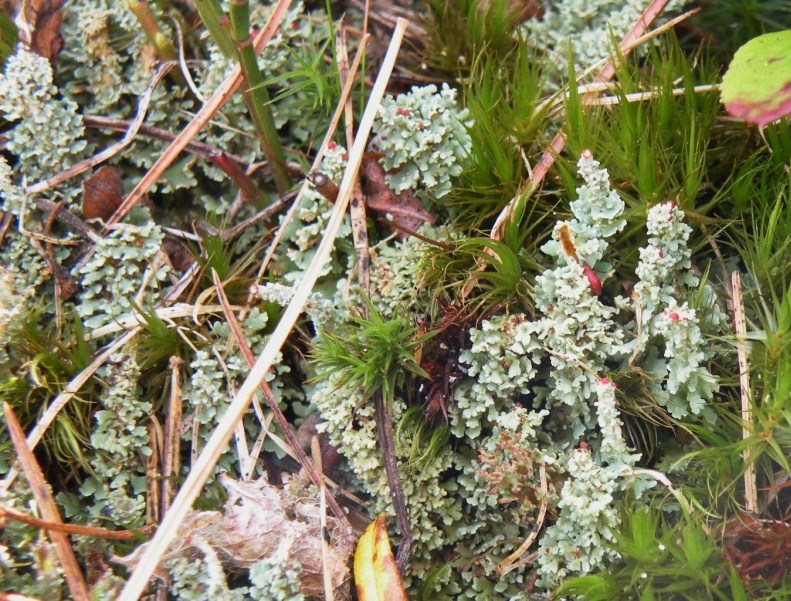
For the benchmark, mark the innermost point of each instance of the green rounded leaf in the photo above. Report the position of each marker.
(757, 85)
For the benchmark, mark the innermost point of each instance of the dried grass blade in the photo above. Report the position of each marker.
(46, 502)
(219, 439)
(740, 327)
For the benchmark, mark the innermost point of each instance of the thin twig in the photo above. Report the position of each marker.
(740, 327)
(171, 448)
(153, 473)
(200, 149)
(75, 529)
(205, 464)
(49, 509)
(67, 218)
(285, 427)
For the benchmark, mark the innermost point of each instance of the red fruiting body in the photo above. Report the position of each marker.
(587, 154)
(604, 381)
(331, 145)
(660, 252)
(593, 280)
(550, 308)
(673, 316)
(672, 205)
(344, 157)
(402, 112)
(584, 445)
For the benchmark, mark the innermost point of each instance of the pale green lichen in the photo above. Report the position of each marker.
(423, 137)
(47, 132)
(122, 270)
(120, 440)
(276, 577)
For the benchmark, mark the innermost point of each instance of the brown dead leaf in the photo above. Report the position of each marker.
(403, 209)
(39, 24)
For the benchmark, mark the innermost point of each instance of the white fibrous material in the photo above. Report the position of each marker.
(423, 136)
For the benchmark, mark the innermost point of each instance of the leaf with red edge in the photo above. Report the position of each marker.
(757, 85)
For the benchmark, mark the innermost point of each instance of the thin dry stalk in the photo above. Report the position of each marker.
(76, 529)
(204, 466)
(153, 474)
(740, 327)
(224, 92)
(46, 503)
(285, 427)
(171, 449)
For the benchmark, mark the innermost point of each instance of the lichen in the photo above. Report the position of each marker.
(423, 137)
(47, 134)
(116, 271)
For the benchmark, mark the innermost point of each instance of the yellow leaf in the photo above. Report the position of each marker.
(375, 571)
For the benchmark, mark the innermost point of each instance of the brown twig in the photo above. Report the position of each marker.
(285, 427)
(153, 473)
(200, 149)
(76, 529)
(66, 217)
(49, 509)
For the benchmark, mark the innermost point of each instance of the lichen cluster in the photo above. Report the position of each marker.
(535, 419)
(531, 443)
